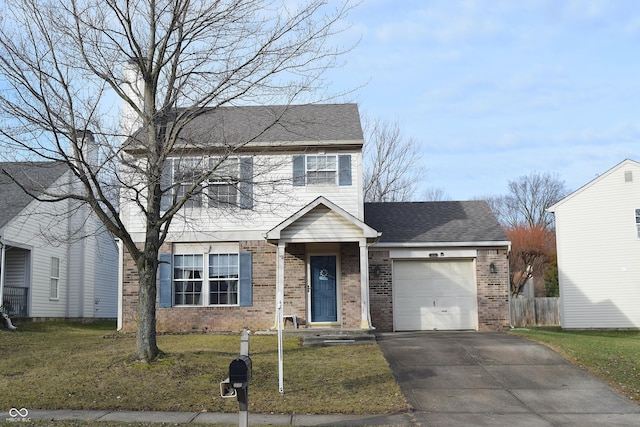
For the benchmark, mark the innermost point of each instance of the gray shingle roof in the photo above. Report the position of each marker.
(416, 222)
(36, 176)
(321, 123)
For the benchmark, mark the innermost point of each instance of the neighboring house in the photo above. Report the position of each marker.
(57, 261)
(236, 246)
(438, 266)
(598, 243)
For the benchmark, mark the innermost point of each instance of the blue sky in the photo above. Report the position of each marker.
(496, 89)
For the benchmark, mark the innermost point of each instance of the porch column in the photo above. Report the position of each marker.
(279, 279)
(365, 322)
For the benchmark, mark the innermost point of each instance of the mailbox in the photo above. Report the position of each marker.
(240, 370)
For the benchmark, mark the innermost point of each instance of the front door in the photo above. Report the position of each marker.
(324, 303)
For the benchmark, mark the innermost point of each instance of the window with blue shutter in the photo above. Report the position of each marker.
(164, 285)
(344, 169)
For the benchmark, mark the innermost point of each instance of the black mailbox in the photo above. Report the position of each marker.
(240, 370)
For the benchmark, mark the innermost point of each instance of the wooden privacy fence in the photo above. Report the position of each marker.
(535, 312)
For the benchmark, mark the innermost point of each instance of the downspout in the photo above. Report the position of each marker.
(120, 283)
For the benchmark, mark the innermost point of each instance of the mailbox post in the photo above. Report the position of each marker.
(237, 384)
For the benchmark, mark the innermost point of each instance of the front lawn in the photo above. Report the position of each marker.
(63, 365)
(610, 355)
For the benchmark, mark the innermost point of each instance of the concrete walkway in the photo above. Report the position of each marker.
(493, 379)
(180, 418)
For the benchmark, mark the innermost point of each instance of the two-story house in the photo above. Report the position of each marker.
(285, 214)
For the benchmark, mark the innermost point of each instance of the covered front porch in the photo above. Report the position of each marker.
(15, 280)
(322, 268)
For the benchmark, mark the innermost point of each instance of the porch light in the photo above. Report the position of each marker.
(493, 269)
(377, 271)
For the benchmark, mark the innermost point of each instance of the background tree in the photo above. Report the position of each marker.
(522, 212)
(391, 171)
(435, 194)
(528, 198)
(61, 67)
(531, 249)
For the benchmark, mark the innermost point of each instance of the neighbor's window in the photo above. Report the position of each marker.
(187, 279)
(55, 278)
(223, 279)
(638, 221)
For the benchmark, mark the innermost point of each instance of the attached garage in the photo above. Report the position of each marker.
(434, 295)
(437, 266)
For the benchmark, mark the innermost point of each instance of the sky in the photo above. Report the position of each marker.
(492, 90)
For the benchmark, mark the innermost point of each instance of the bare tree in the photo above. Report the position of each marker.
(391, 171)
(67, 64)
(529, 197)
(435, 194)
(527, 200)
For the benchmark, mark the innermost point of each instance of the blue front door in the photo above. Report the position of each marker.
(324, 306)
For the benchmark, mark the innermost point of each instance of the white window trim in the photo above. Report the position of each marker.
(201, 200)
(205, 297)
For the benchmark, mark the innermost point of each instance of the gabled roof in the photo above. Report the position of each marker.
(36, 176)
(312, 124)
(367, 231)
(430, 222)
(622, 164)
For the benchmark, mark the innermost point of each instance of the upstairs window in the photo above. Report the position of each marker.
(230, 183)
(322, 170)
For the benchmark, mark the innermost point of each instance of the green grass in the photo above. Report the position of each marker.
(63, 365)
(610, 355)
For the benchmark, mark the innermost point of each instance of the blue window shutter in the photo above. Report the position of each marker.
(344, 167)
(298, 171)
(246, 280)
(245, 186)
(164, 274)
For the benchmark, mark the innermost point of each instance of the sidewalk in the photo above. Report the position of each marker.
(221, 418)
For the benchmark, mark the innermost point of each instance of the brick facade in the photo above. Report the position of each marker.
(493, 288)
(380, 290)
(261, 315)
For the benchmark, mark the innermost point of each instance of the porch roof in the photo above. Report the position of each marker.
(321, 221)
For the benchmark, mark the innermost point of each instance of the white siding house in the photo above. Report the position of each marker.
(598, 242)
(45, 274)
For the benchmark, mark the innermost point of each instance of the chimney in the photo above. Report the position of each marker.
(133, 87)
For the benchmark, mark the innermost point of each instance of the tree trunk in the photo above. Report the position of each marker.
(146, 346)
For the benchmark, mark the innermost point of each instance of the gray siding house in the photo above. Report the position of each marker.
(56, 259)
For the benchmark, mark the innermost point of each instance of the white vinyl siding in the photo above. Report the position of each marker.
(434, 295)
(274, 201)
(598, 253)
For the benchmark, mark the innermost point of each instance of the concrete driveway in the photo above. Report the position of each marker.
(494, 379)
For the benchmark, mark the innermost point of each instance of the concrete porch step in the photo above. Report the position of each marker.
(326, 337)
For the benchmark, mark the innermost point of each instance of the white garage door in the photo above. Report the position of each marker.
(434, 295)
